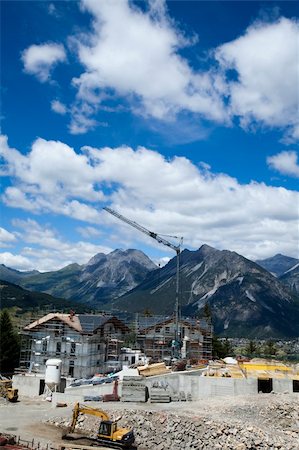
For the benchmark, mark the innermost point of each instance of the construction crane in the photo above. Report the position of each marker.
(177, 249)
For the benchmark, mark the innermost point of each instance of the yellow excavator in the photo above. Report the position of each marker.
(108, 433)
(7, 391)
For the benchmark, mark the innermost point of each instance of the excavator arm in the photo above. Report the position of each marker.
(83, 409)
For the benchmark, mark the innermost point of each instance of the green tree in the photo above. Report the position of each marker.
(227, 348)
(221, 348)
(207, 311)
(9, 345)
(252, 349)
(270, 348)
(217, 347)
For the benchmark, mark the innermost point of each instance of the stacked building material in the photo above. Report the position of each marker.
(153, 369)
(134, 389)
(160, 395)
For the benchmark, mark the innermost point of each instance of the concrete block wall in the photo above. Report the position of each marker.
(133, 389)
(28, 386)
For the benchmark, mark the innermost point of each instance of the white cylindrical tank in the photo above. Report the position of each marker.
(53, 372)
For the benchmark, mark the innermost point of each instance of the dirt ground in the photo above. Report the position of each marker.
(275, 413)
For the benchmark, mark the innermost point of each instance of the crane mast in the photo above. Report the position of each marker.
(176, 248)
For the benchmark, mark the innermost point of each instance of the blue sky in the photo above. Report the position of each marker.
(181, 115)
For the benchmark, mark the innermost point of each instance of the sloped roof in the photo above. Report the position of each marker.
(71, 321)
(90, 322)
(82, 323)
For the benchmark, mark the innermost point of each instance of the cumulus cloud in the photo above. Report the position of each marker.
(285, 162)
(39, 60)
(168, 196)
(52, 177)
(266, 62)
(58, 107)
(136, 54)
(6, 238)
(46, 250)
(18, 262)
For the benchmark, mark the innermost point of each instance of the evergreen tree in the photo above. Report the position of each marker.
(217, 347)
(227, 348)
(252, 349)
(9, 345)
(207, 313)
(221, 349)
(270, 348)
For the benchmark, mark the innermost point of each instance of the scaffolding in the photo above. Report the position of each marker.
(156, 334)
(92, 350)
(82, 353)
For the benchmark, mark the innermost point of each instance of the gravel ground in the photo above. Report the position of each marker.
(264, 421)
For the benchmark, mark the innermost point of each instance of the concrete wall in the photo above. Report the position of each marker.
(200, 387)
(27, 385)
(283, 386)
(33, 385)
(89, 389)
(72, 395)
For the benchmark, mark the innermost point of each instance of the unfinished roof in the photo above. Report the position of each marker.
(71, 320)
(82, 323)
(147, 323)
(91, 322)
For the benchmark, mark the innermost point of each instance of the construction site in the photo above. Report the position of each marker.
(96, 381)
(224, 404)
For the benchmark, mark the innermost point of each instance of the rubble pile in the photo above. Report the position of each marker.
(168, 431)
(283, 416)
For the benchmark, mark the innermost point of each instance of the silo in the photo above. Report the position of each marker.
(53, 373)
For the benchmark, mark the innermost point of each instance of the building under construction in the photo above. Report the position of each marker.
(92, 343)
(83, 342)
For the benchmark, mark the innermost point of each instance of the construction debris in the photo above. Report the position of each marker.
(164, 430)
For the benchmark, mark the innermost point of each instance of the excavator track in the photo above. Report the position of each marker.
(85, 443)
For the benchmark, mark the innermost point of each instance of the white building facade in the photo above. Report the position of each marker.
(84, 343)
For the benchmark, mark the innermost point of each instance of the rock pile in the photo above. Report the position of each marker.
(167, 431)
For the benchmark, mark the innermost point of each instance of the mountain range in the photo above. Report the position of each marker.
(245, 298)
(103, 278)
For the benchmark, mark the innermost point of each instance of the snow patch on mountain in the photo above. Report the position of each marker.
(250, 296)
(194, 269)
(292, 268)
(160, 285)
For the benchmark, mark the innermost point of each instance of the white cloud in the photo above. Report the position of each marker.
(89, 232)
(161, 262)
(39, 60)
(48, 251)
(6, 238)
(17, 262)
(58, 107)
(166, 196)
(52, 177)
(285, 162)
(136, 54)
(266, 62)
